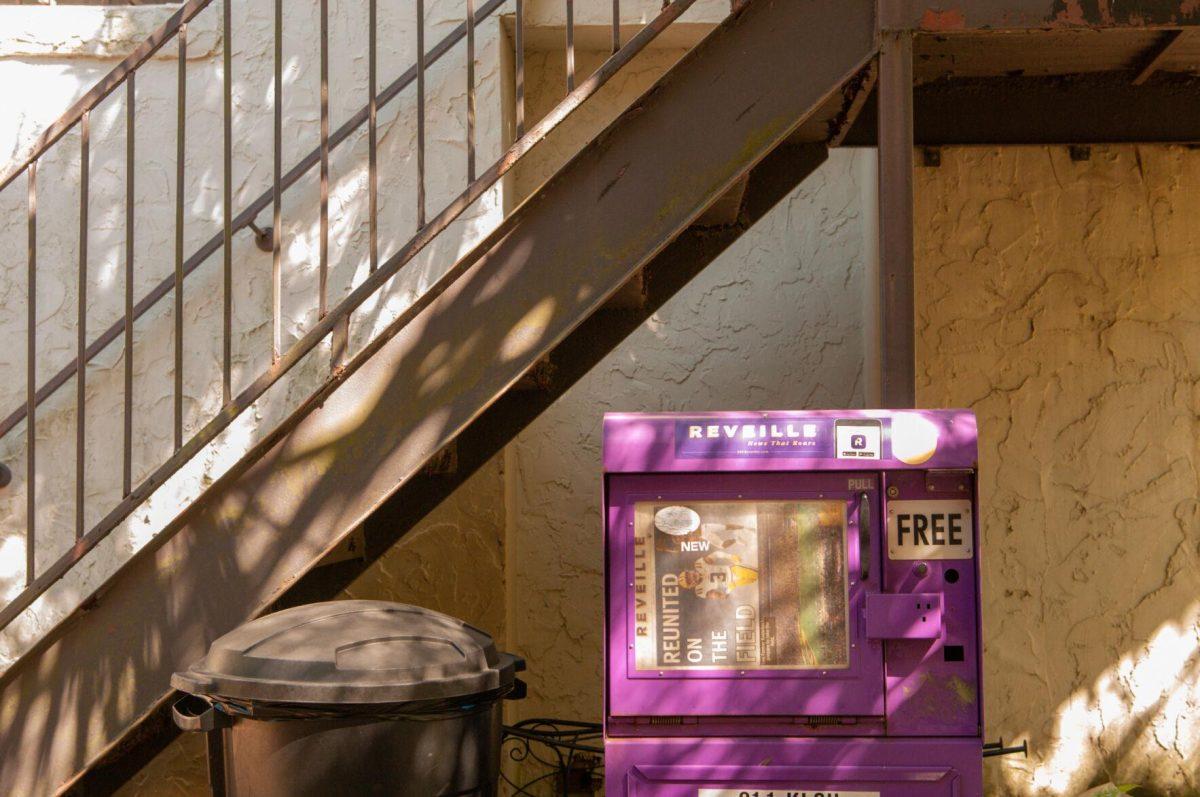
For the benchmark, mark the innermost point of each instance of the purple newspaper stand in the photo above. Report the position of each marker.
(792, 605)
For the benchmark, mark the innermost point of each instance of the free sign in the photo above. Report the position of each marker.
(929, 529)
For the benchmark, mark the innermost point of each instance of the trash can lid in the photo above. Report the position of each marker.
(350, 652)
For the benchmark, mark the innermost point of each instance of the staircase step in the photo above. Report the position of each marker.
(726, 209)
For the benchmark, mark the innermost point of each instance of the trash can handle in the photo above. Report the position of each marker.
(519, 691)
(194, 713)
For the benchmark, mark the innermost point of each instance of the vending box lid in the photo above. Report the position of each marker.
(790, 441)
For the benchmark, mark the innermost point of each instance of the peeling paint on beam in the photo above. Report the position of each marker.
(965, 15)
(854, 98)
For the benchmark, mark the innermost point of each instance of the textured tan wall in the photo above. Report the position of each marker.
(1061, 301)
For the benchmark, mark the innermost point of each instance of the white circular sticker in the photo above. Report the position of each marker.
(914, 438)
(676, 520)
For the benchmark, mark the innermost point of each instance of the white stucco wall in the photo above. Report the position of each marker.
(67, 68)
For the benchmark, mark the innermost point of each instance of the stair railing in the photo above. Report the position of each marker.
(332, 321)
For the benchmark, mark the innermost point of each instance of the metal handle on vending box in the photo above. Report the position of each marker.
(991, 749)
(864, 535)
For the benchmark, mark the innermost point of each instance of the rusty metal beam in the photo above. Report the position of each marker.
(613, 208)
(946, 16)
(898, 361)
(1103, 108)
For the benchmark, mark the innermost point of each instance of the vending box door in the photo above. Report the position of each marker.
(793, 767)
(743, 595)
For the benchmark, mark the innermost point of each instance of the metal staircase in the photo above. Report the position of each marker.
(728, 132)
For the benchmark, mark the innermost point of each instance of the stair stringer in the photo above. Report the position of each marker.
(769, 183)
(605, 215)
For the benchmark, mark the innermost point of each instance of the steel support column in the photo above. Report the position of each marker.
(896, 219)
(1098, 108)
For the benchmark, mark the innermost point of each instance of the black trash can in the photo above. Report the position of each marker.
(351, 697)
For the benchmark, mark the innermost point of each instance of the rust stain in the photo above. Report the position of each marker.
(613, 182)
(1131, 13)
(1071, 13)
(854, 96)
(745, 111)
(949, 19)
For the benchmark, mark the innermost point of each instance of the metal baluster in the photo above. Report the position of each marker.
(470, 91)
(372, 138)
(519, 46)
(570, 46)
(31, 383)
(341, 332)
(313, 338)
(323, 277)
(616, 26)
(180, 130)
(227, 315)
(81, 322)
(127, 469)
(420, 114)
(212, 246)
(277, 197)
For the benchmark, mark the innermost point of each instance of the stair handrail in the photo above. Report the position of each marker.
(244, 220)
(330, 321)
(109, 83)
